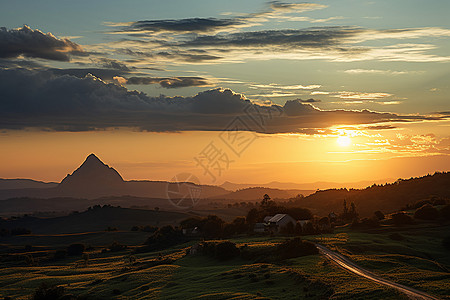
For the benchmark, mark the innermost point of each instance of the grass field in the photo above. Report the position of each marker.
(419, 260)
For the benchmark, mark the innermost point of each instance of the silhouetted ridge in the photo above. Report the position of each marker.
(93, 174)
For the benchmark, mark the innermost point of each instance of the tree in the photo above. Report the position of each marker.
(445, 212)
(379, 215)
(426, 212)
(299, 213)
(298, 229)
(265, 201)
(164, 237)
(240, 225)
(76, 249)
(401, 218)
(211, 226)
(226, 250)
(296, 247)
(288, 228)
(308, 228)
(252, 216)
(190, 223)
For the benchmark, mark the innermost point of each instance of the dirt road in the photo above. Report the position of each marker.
(352, 267)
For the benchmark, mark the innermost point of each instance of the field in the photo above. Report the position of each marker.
(412, 255)
(418, 261)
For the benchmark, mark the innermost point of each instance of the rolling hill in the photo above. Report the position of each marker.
(257, 193)
(96, 220)
(387, 198)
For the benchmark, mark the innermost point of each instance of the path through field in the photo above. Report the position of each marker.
(352, 267)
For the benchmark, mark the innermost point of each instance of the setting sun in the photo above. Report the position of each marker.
(344, 141)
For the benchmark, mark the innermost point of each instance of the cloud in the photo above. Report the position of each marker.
(110, 63)
(34, 43)
(374, 71)
(276, 9)
(335, 43)
(180, 26)
(361, 95)
(285, 87)
(309, 38)
(104, 74)
(45, 100)
(166, 82)
(413, 144)
(310, 100)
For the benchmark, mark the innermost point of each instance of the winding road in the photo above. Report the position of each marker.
(352, 267)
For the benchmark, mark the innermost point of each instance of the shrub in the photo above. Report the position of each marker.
(149, 228)
(164, 237)
(296, 247)
(308, 228)
(75, 249)
(221, 250)
(446, 242)
(116, 292)
(60, 254)
(379, 215)
(288, 228)
(401, 218)
(226, 250)
(445, 212)
(366, 223)
(115, 247)
(20, 231)
(426, 212)
(49, 292)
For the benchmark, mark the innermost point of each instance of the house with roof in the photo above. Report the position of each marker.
(278, 221)
(260, 227)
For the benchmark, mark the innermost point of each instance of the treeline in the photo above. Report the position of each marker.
(14, 231)
(225, 250)
(388, 197)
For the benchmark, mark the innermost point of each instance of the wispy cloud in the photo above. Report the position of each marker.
(165, 82)
(335, 43)
(361, 95)
(375, 71)
(285, 87)
(277, 9)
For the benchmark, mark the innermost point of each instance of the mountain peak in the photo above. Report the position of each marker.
(92, 156)
(93, 159)
(92, 174)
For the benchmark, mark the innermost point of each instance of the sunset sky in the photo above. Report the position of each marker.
(242, 91)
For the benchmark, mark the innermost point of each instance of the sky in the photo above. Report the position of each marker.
(242, 91)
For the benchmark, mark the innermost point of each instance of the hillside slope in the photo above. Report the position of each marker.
(387, 198)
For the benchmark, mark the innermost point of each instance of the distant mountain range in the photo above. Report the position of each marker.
(94, 179)
(8, 184)
(319, 185)
(257, 193)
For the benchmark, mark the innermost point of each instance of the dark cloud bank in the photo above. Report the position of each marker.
(34, 43)
(45, 100)
(170, 82)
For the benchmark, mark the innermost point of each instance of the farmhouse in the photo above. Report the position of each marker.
(278, 221)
